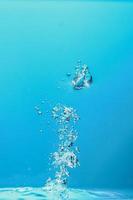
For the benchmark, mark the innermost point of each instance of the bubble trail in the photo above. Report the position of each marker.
(65, 157)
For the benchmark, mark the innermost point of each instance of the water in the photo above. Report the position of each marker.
(75, 194)
(66, 100)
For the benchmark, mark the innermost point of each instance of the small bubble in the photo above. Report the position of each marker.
(42, 102)
(41, 131)
(37, 108)
(39, 112)
(77, 149)
(79, 62)
(68, 74)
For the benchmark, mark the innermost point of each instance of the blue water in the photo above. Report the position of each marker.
(29, 193)
(40, 42)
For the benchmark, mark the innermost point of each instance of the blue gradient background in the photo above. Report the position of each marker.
(40, 41)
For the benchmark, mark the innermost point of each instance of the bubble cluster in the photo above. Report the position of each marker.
(38, 110)
(63, 114)
(82, 78)
(66, 155)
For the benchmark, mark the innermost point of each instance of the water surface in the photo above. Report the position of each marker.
(29, 193)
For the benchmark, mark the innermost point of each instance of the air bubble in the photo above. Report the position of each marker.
(41, 131)
(68, 74)
(82, 78)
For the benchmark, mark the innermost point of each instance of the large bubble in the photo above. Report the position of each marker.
(82, 77)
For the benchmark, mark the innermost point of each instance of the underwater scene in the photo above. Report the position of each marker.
(66, 100)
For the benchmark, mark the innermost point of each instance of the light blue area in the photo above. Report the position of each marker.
(39, 43)
(30, 193)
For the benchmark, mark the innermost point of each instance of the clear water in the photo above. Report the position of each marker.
(40, 44)
(30, 193)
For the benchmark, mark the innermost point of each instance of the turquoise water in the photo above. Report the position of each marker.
(74, 194)
(40, 45)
